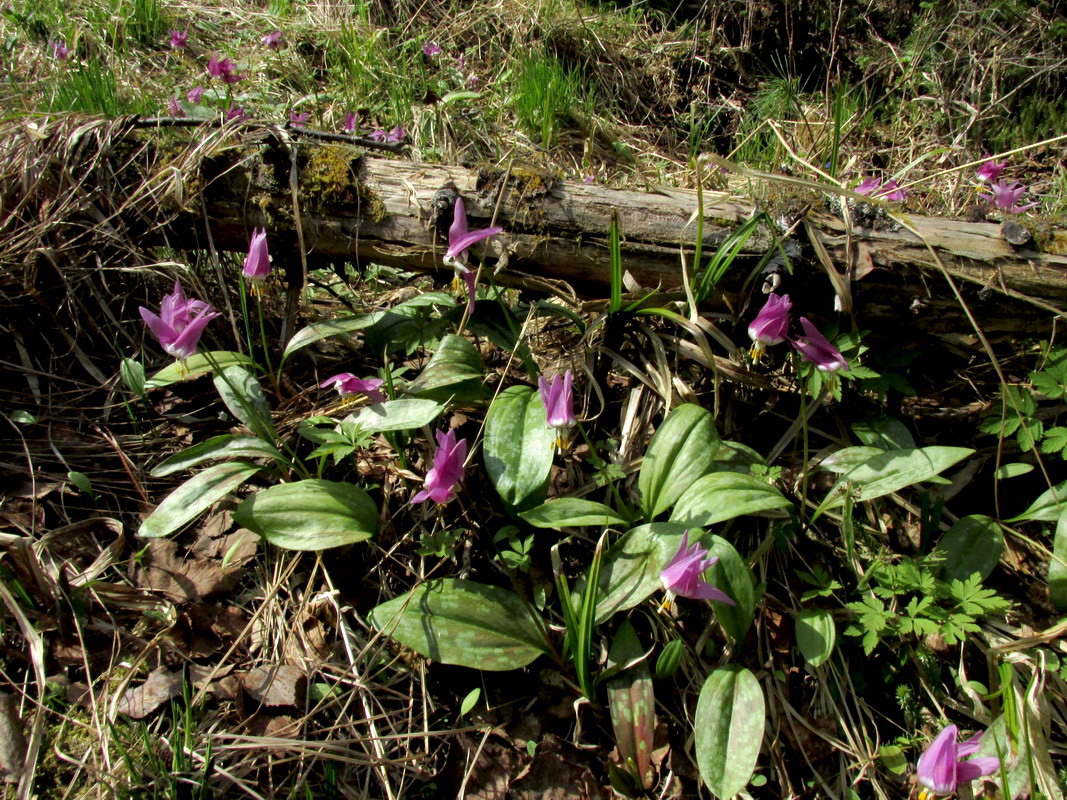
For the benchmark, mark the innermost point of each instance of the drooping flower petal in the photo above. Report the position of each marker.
(990, 170)
(816, 348)
(941, 767)
(447, 471)
(683, 575)
(558, 400)
(347, 383)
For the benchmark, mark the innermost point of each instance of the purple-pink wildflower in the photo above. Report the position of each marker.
(223, 68)
(257, 262)
(558, 399)
(180, 322)
(683, 576)
(235, 113)
(272, 40)
(195, 94)
(1007, 195)
(459, 241)
(350, 122)
(771, 324)
(174, 107)
(298, 120)
(447, 470)
(179, 40)
(941, 767)
(990, 170)
(60, 51)
(431, 49)
(347, 383)
(816, 348)
(885, 191)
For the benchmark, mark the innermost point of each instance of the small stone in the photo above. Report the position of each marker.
(1014, 233)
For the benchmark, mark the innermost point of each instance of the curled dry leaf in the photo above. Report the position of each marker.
(161, 687)
(275, 685)
(182, 579)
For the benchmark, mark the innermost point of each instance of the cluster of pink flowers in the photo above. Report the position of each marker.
(393, 136)
(771, 326)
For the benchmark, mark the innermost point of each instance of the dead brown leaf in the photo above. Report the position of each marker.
(281, 726)
(275, 685)
(182, 579)
(556, 773)
(140, 701)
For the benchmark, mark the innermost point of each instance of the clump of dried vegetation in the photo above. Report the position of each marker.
(211, 663)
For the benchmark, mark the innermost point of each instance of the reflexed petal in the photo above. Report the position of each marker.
(976, 768)
(163, 332)
(937, 765)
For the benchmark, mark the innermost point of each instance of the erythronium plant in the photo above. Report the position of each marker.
(558, 399)
(180, 322)
(942, 767)
(447, 470)
(771, 324)
(990, 170)
(348, 384)
(459, 241)
(179, 39)
(682, 576)
(885, 191)
(257, 261)
(1007, 196)
(816, 348)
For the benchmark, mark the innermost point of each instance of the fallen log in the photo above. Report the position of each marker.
(370, 209)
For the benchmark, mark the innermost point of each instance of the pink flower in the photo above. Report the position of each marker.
(682, 577)
(223, 68)
(174, 107)
(180, 322)
(272, 40)
(431, 49)
(990, 170)
(1007, 195)
(886, 191)
(459, 241)
(235, 113)
(350, 122)
(558, 400)
(397, 134)
(816, 348)
(60, 51)
(297, 120)
(472, 81)
(179, 39)
(447, 469)
(347, 383)
(941, 767)
(257, 262)
(195, 94)
(771, 324)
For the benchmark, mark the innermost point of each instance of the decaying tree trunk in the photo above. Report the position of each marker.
(371, 209)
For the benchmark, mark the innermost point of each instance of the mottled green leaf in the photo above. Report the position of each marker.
(731, 575)
(195, 496)
(1047, 507)
(816, 635)
(225, 446)
(681, 450)
(891, 471)
(632, 703)
(330, 327)
(724, 495)
(728, 729)
(885, 433)
(396, 415)
(196, 365)
(630, 568)
(465, 623)
(973, 544)
(572, 512)
(455, 373)
(243, 396)
(518, 447)
(310, 515)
